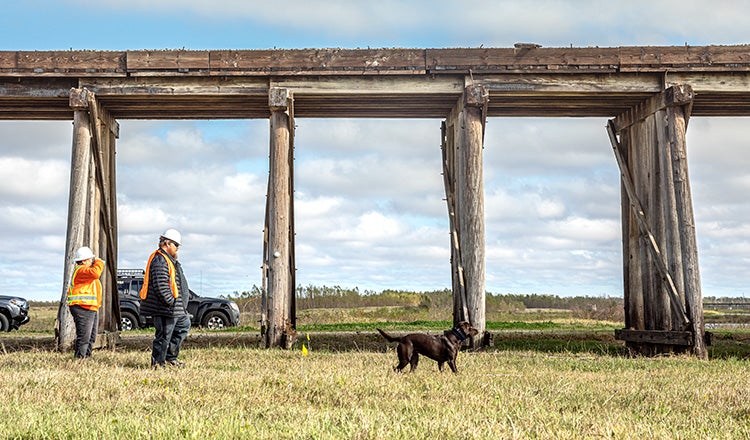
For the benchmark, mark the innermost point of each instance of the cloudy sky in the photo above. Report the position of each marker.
(369, 194)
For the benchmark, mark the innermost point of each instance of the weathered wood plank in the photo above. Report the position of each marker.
(376, 61)
(372, 85)
(695, 58)
(186, 86)
(662, 337)
(77, 62)
(583, 83)
(512, 59)
(179, 60)
(710, 83)
(8, 60)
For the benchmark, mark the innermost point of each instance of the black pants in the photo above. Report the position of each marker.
(86, 322)
(164, 326)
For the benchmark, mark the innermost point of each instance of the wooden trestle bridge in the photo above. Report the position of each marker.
(647, 93)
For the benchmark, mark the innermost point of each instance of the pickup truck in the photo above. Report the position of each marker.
(212, 313)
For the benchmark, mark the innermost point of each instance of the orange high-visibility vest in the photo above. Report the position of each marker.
(172, 281)
(85, 289)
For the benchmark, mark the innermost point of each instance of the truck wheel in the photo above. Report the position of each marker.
(4, 325)
(215, 320)
(128, 321)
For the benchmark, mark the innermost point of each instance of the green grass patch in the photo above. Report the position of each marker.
(372, 326)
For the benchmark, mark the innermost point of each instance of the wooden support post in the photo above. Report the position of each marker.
(645, 231)
(92, 219)
(660, 266)
(677, 118)
(77, 231)
(464, 181)
(279, 255)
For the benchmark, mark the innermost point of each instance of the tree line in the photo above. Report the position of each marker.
(314, 297)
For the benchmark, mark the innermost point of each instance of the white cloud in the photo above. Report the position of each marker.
(33, 180)
(492, 23)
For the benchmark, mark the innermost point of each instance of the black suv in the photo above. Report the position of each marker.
(14, 312)
(213, 313)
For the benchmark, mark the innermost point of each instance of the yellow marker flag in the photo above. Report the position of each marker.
(304, 350)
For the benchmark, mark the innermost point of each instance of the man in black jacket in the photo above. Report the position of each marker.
(164, 296)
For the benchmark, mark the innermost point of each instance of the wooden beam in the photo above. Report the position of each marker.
(511, 60)
(141, 62)
(381, 61)
(317, 61)
(416, 86)
(62, 63)
(178, 86)
(671, 58)
(673, 96)
(580, 83)
(661, 337)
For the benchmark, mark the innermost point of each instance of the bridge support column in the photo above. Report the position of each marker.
(92, 213)
(663, 299)
(279, 303)
(462, 145)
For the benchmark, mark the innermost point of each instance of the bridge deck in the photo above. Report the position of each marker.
(392, 83)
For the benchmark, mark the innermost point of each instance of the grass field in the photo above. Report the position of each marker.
(543, 378)
(255, 393)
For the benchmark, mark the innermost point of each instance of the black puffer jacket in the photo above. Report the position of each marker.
(159, 300)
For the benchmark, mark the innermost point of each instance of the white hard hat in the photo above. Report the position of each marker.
(84, 253)
(173, 234)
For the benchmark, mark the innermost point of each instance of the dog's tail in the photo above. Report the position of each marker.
(388, 337)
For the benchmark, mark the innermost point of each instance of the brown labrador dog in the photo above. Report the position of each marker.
(442, 348)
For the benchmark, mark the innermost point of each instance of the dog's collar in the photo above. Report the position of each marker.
(459, 333)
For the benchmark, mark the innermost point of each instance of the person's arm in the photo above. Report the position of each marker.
(89, 273)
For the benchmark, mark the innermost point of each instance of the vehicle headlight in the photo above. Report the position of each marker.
(233, 306)
(18, 302)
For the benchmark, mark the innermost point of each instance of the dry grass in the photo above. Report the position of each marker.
(271, 394)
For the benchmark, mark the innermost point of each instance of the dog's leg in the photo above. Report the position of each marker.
(452, 364)
(440, 366)
(405, 352)
(414, 361)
